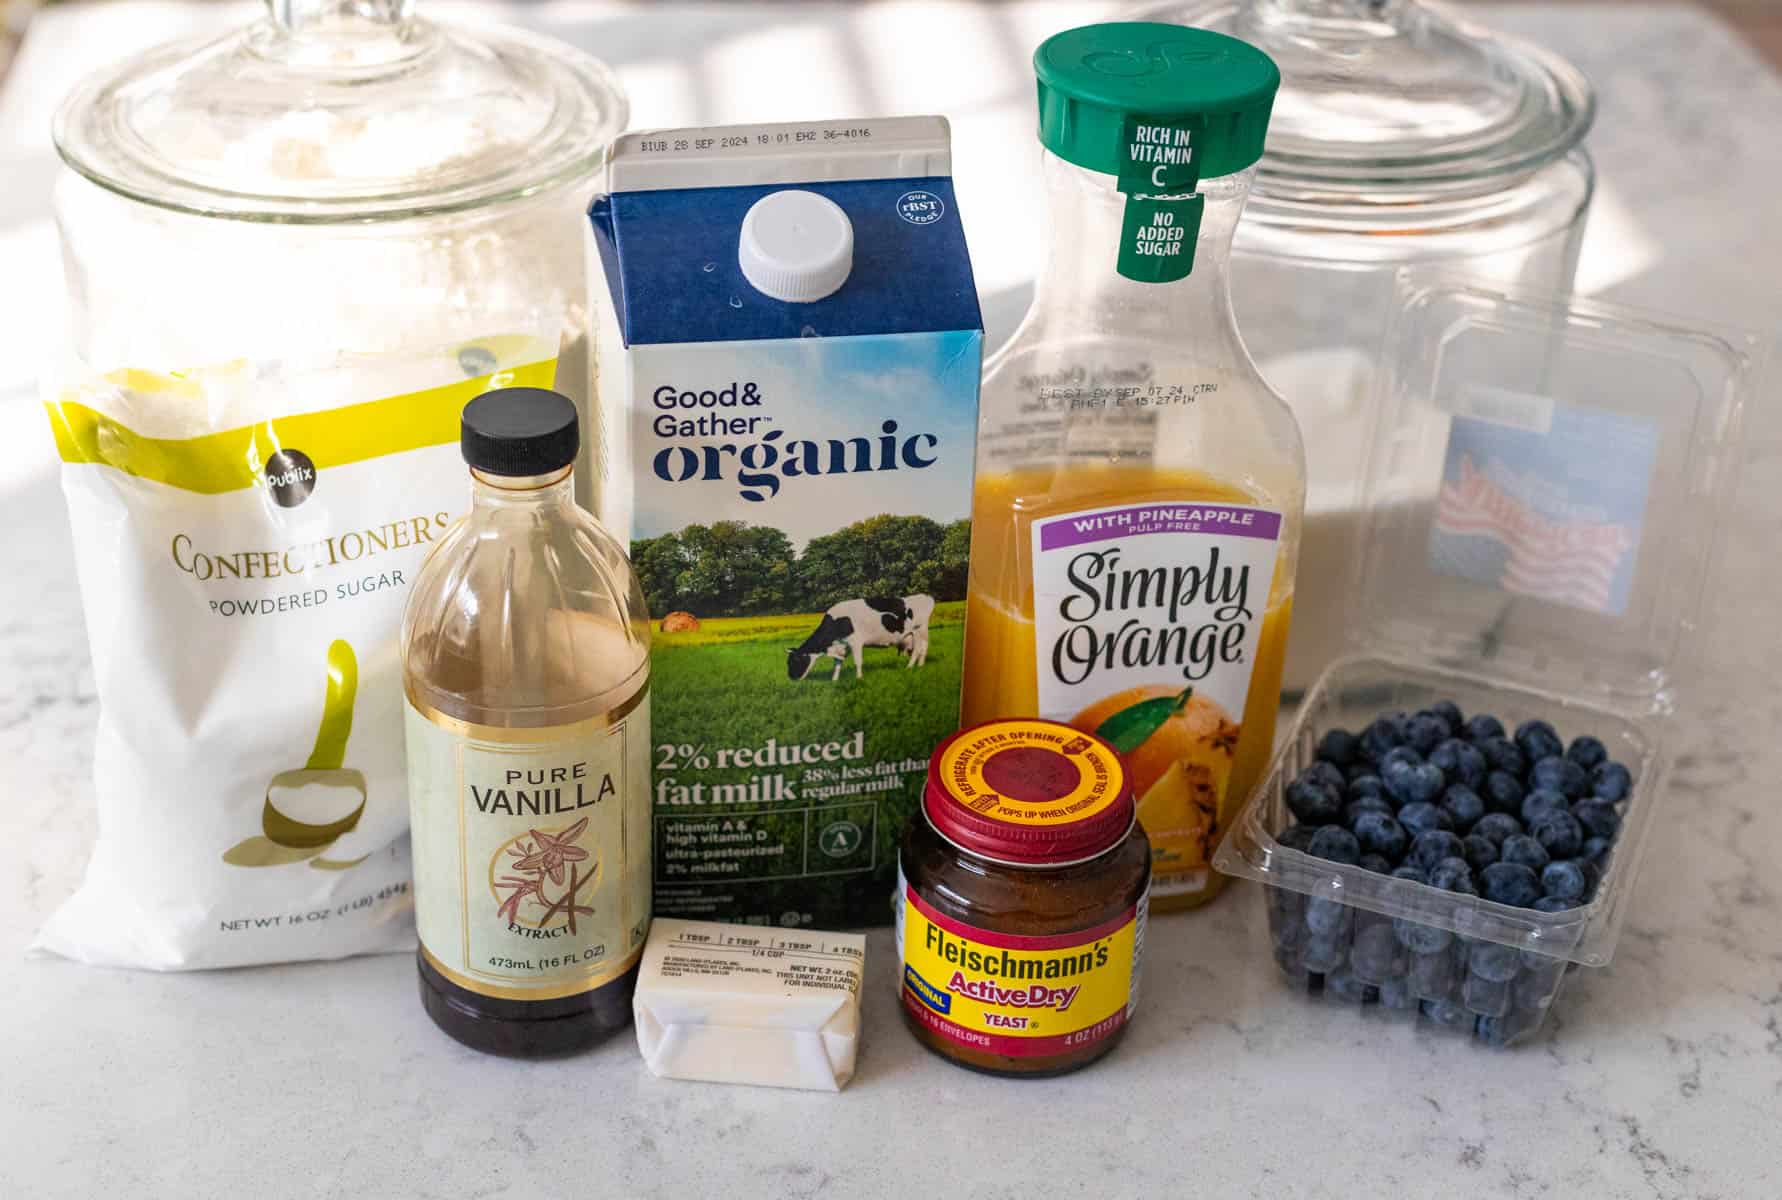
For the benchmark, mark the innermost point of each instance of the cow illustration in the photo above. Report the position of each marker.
(849, 627)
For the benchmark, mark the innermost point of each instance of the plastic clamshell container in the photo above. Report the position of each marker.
(1544, 482)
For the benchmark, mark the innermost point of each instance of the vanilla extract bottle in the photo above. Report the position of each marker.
(526, 667)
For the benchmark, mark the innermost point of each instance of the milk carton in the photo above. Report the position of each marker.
(787, 424)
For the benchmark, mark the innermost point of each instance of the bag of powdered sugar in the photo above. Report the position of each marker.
(245, 537)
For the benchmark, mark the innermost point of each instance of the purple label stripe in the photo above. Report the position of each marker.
(1228, 520)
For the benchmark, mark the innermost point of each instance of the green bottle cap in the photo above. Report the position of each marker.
(1129, 98)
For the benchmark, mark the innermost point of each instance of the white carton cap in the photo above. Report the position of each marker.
(796, 246)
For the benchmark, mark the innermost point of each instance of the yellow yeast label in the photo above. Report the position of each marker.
(1017, 995)
(1031, 773)
(531, 851)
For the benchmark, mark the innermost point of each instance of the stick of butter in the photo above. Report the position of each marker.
(750, 1004)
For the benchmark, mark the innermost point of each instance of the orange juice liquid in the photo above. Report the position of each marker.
(1194, 772)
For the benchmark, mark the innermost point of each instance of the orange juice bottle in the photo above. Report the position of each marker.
(1140, 488)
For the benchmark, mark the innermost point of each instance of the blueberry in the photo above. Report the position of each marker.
(1419, 818)
(1559, 834)
(1375, 863)
(1380, 834)
(1369, 784)
(1501, 754)
(1553, 904)
(1432, 972)
(1448, 1014)
(1325, 953)
(1596, 850)
(1461, 762)
(1431, 847)
(1396, 994)
(1611, 781)
(1339, 747)
(1449, 712)
(1414, 785)
(1337, 844)
(1420, 939)
(1587, 751)
(1479, 851)
(1297, 837)
(1375, 954)
(1538, 740)
(1542, 802)
(1487, 997)
(1539, 981)
(1497, 826)
(1453, 875)
(1510, 883)
(1329, 776)
(1313, 803)
(1425, 732)
(1359, 769)
(1397, 755)
(1483, 727)
(1382, 735)
(1560, 774)
(1355, 808)
(1489, 960)
(1523, 851)
(1463, 805)
(1507, 1029)
(1345, 987)
(1503, 793)
(1407, 871)
(1328, 918)
(1599, 819)
(1289, 935)
(1564, 880)
(1284, 905)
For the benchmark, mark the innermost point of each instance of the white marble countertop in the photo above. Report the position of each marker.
(1659, 1075)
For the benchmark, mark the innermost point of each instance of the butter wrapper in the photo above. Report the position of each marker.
(750, 1004)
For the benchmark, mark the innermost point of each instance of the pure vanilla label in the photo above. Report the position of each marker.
(531, 851)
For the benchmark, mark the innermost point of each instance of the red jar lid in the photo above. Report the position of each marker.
(1027, 791)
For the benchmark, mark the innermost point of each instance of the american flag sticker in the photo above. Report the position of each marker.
(1553, 515)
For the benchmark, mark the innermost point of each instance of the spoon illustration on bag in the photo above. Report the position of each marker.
(307, 808)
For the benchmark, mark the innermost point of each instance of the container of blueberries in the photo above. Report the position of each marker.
(1455, 818)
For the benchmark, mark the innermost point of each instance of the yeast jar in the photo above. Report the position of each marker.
(1021, 900)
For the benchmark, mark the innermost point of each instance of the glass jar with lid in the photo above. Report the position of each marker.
(1401, 135)
(341, 192)
(1022, 892)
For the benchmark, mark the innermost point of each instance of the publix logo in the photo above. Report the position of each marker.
(290, 477)
(718, 435)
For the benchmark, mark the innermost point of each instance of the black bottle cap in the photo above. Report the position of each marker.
(520, 431)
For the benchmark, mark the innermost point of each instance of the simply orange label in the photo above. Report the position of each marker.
(1031, 773)
(1016, 995)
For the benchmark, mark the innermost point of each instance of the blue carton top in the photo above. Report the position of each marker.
(670, 258)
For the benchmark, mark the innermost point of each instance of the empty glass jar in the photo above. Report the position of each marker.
(340, 192)
(1400, 135)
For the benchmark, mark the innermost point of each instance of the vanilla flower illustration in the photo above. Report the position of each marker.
(553, 851)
